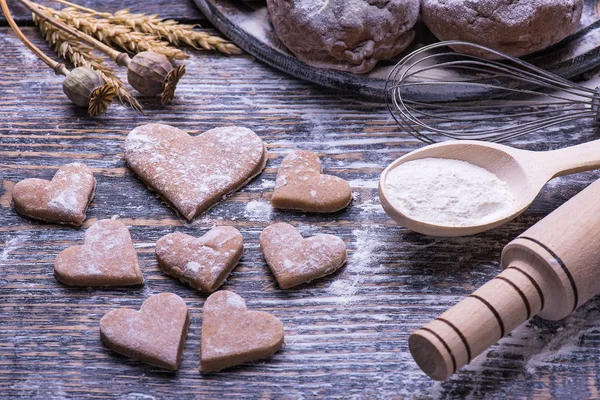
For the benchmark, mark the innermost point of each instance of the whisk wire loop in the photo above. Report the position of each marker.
(435, 94)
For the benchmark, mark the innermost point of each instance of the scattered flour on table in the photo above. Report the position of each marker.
(370, 207)
(12, 245)
(545, 346)
(38, 386)
(258, 210)
(359, 262)
(139, 396)
(363, 183)
(24, 53)
(447, 192)
(144, 245)
(267, 184)
(556, 350)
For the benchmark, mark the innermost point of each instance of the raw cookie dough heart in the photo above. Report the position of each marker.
(62, 200)
(107, 258)
(155, 334)
(194, 172)
(203, 263)
(295, 260)
(300, 185)
(232, 335)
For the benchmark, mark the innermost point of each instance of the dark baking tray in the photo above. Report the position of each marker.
(247, 24)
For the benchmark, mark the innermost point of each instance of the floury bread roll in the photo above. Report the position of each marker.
(347, 35)
(512, 27)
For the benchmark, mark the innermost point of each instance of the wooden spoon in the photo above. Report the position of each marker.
(525, 172)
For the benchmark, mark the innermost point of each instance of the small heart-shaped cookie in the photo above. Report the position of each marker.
(194, 172)
(155, 334)
(63, 200)
(300, 185)
(232, 335)
(203, 263)
(107, 258)
(295, 260)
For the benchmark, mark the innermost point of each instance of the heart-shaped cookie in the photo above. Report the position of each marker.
(194, 172)
(232, 335)
(107, 258)
(295, 260)
(155, 334)
(203, 263)
(63, 200)
(300, 185)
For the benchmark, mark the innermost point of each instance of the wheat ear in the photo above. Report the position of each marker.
(169, 30)
(174, 32)
(120, 36)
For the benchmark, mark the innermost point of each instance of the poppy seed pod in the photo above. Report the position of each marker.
(86, 88)
(152, 74)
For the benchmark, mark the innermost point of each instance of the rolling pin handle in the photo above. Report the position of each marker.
(457, 336)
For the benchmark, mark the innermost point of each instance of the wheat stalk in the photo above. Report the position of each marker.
(169, 30)
(173, 32)
(114, 35)
(81, 55)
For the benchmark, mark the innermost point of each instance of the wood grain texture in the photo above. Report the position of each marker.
(180, 10)
(346, 334)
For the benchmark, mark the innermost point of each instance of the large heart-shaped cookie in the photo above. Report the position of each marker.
(203, 263)
(155, 334)
(295, 260)
(232, 335)
(107, 258)
(194, 172)
(300, 185)
(62, 200)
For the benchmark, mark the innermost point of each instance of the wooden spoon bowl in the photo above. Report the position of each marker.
(525, 172)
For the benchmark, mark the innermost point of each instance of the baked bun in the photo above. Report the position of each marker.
(347, 35)
(515, 27)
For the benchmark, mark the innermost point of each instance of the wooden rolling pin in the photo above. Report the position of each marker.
(549, 270)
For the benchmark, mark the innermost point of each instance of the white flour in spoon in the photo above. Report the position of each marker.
(447, 192)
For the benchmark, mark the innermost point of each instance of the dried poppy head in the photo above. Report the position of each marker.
(152, 74)
(86, 88)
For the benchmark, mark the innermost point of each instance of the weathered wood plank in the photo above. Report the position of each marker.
(182, 10)
(346, 335)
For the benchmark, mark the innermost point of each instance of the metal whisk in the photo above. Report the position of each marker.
(435, 93)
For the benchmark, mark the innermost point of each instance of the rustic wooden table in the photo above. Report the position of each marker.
(346, 335)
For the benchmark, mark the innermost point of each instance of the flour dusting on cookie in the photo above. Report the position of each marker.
(295, 260)
(203, 263)
(62, 200)
(155, 334)
(107, 258)
(194, 172)
(232, 335)
(301, 185)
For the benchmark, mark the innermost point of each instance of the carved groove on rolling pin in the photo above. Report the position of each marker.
(448, 349)
(493, 310)
(562, 265)
(533, 282)
(520, 292)
(460, 335)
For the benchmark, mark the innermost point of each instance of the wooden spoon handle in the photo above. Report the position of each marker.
(570, 160)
